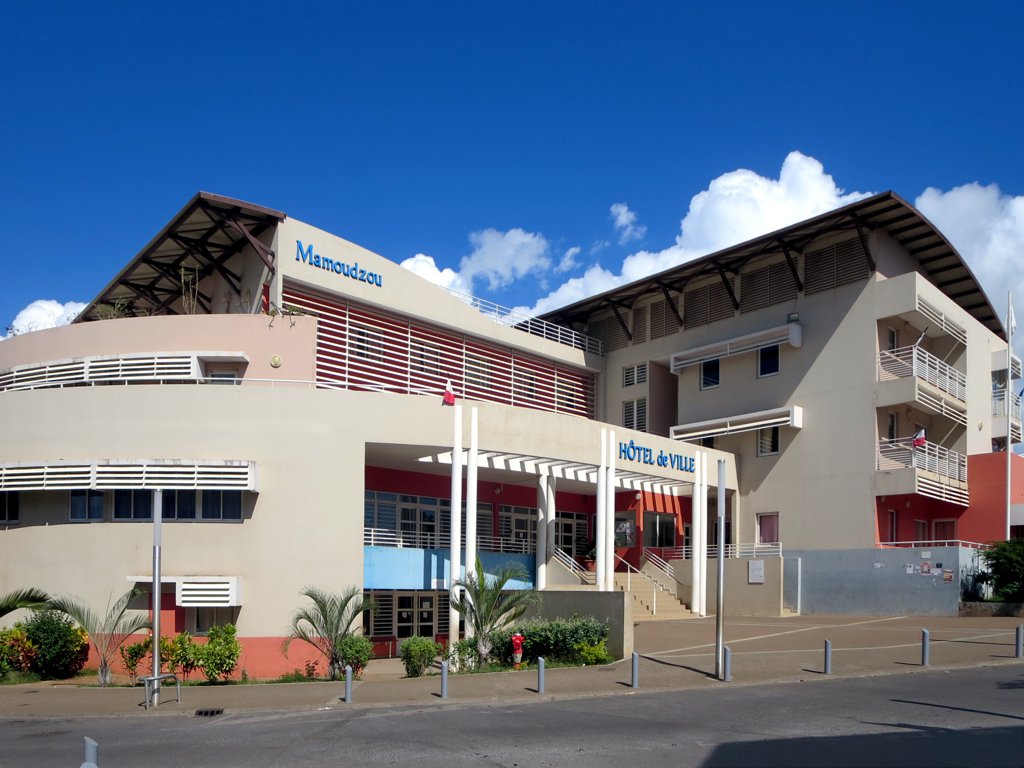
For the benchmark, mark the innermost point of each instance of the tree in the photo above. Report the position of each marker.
(327, 622)
(487, 605)
(22, 598)
(107, 632)
(1005, 560)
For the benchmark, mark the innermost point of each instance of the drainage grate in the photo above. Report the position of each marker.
(209, 712)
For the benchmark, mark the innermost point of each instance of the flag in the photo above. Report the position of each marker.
(921, 337)
(448, 398)
(1011, 321)
(920, 439)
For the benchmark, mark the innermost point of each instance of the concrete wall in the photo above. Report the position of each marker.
(875, 582)
(610, 607)
(741, 597)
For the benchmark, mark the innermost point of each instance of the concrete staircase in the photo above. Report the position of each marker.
(649, 602)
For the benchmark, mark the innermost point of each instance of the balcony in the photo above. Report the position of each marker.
(914, 375)
(929, 470)
(999, 414)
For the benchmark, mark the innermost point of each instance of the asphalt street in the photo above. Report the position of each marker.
(935, 718)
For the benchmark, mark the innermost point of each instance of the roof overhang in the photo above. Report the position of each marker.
(790, 333)
(790, 416)
(196, 245)
(938, 260)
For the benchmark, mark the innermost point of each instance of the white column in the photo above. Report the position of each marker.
(541, 535)
(549, 524)
(609, 520)
(704, 534)
(599, 513)
(1010, 327)
(694, 552)
(158, 516)
(471, 497)
(700, 551)
(455, 542)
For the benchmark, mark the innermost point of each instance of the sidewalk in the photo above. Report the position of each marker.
(674, 655)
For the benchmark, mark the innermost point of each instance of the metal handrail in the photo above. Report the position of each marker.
(999, 404)
(773, 549)
(901, 453)
(919, 363)
(388, 537)
(920, 544)
(585, 576)
(630, 570)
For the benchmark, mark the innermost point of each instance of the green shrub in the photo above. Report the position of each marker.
(593, 654)
(220, 655)
(461, 655)
(554, 639)
(17, 652)
(418, 653)
(61, 647)
(184, 656)
(132, 655)
(1005, 562)
(355, 651)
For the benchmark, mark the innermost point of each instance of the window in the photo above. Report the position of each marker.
(199, 620)
(893, 525)
(133, 505)
(224, 377)
(179, 505)
(659, 529)
(768, 528)
(768, 441)
(768, 361)
(892, 339)
(9, 503)
(634, 374)
(944, 530)
(892, 427)
(920, 530)
(634, 414)
(709, 378)
(426, 358)
(366, 343)
(709, 442)
(86, 505)
(222, 505)
(477, 372)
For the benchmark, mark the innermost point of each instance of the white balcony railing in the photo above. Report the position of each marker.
(731, 550)
(901, 454)
(387, 537)
(999, 404)
(919, 363)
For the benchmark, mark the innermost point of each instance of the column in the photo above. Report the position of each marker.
(599, 514)
(609, 520)
(455, 542)
(704, 534)
(695, 531)
(541, 534)
(471, 490)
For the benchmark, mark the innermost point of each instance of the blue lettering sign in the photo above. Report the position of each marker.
(306, 255)
(632, 452)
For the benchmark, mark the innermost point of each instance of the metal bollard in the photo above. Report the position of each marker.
(828, 657)
(540, 674)
(348, 683)
(727, 663)
(1019, 652)
(92, 754)
(925, 649)
(444, 679)
(636, 669)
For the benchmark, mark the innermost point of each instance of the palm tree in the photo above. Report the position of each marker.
(487, 605)
(108, 632)
(22, 598)
(327, 622)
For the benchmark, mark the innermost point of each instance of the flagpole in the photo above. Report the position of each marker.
(1010, 323)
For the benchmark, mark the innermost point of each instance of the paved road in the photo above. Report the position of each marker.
(929, 718)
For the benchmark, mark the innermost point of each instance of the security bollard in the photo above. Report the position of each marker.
(828, 657)
(1019, 652)
(925, 649)
(540, 674)
(727, 663)
(92, 754)
(444, 679)
(348, 683)
(636, 669)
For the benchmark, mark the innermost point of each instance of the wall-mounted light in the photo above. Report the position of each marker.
(639, 496)
(498, 489)
(907, 503)
(793, 317)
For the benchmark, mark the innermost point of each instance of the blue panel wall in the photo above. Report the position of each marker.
(404, 568)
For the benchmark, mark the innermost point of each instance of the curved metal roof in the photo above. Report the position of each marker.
(937, 258)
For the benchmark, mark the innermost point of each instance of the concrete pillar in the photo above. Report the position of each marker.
(455, 542)
(704, 536)
(541, 535)
(609, 520)
(471, 489)
(599, 524)
(552, 509)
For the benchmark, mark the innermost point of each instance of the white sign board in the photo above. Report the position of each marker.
(755, 572)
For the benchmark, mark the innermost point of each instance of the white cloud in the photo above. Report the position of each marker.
(625, 224)
(426, 267)
(569, 260)
(987, 228)
(736, 206)
(503, 257)
(45, 313)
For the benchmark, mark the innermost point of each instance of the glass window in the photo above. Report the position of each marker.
(222, 505)
(9, 503)
(709, 374)
(133, 505)
(179, 505)
(768, 528)
(634, 414)
(86, 505)
(768, 361)
(767, 441)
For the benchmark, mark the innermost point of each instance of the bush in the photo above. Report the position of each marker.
(461, 655)
(184, 656)
(355, 651)
(220, 655)
(1005, 560)
(554, 639)
(593, 654)
(132, 655)
(61, 647)
(17, 652)
(418, 653)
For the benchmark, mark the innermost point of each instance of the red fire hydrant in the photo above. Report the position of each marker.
(517, 649)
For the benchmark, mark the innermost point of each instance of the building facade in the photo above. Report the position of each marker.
(281, 389)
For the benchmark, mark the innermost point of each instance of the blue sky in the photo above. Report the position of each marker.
(495, 140)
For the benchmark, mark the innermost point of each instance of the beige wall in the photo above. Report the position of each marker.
(741, 597)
